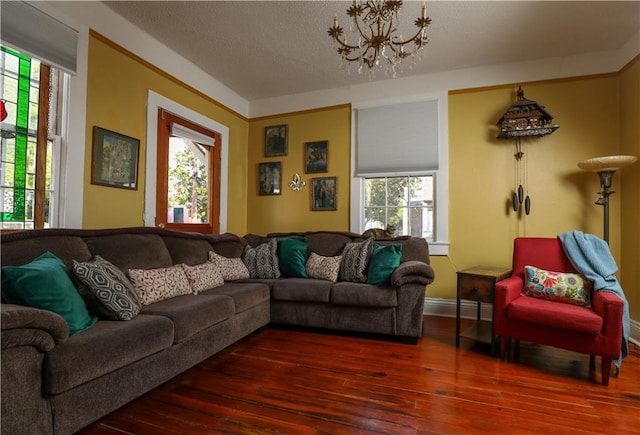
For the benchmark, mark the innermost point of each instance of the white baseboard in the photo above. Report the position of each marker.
(468, 310)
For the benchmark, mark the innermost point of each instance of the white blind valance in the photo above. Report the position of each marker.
(195, 136)
(29, 30)
(397, 139)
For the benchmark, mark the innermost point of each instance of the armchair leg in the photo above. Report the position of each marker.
(516, 351)
(503, 347)
(606, 371)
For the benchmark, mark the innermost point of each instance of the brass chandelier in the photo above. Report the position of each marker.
(375, 23)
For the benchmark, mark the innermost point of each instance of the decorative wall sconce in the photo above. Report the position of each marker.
(605, 167)
(297, 183)
(524, 118)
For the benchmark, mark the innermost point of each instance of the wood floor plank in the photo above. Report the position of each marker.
(301, 381)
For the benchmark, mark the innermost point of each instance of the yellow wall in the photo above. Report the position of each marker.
(482, 224)
(291, 211)
(117, 88)
(630, 186)
(597, 116)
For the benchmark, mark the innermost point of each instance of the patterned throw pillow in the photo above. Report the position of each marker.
(262, 261)
(106, 290)
(569, 288)
(231, 268)
(203, 276)
(154, 285)
(323, 267)
(354, 261)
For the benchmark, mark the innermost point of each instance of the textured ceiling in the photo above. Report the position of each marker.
(263, 49)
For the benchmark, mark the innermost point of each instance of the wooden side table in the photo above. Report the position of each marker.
(478, 284)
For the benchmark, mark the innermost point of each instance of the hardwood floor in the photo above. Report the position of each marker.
(288, 381)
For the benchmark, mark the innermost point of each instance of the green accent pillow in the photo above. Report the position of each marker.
(292, 256)
(384, 260)
(45, 283)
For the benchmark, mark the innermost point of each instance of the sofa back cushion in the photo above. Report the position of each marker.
(187, 251)
(21, 250)
(131, 251)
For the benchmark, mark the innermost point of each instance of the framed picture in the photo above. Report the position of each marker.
(269, 178)
(114, 159)
(275, 141)
(323, 194)
(315, 156)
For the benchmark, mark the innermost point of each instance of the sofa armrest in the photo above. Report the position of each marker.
(412, 272)
(505, 291)
(25, 326)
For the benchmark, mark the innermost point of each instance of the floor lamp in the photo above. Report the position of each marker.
(605, 167)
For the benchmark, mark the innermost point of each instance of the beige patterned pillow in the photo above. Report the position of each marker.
(323, 267)
(231, 268)
(203, 276)
(153, 285)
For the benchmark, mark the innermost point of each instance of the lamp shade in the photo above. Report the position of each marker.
(606, 163)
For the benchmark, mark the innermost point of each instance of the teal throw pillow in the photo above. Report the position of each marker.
(384, 260)
(45, 283)
(292, 256)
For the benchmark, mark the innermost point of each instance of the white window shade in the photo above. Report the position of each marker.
(29, 30)
(195, 136)
(397, 139)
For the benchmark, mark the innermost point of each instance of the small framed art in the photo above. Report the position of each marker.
(315, 157)
(269, 178)
(275, 141)
(114, 159)
(323, 194)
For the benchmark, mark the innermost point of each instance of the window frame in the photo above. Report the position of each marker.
(440, 243)
(156, 101)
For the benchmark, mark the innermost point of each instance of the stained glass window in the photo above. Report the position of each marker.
(19, 92)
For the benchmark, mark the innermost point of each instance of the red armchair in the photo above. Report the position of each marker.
(594, 330)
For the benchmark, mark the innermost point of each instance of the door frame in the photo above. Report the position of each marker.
(156, 101)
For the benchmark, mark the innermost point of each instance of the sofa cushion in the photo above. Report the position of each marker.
(569, 288)
(106, 290)
(245, 295)
(155, 285)
(45, 283)
(187, 251)
(262, 261)
(328, 244)
(292, 256)
(203, 276)
(231, 268)
(301, 290)
(191, 314)
(105, 348)
(363, 295)
(354, 261)
(65, 247)
(321, 267)
(558, 316)
(384, 260)
(131, 251)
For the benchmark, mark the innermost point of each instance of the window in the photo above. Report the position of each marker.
(30, 141)
(404, 202)
(400, 167)
(188, 175)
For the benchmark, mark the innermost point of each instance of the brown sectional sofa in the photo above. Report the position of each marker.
(53, 383)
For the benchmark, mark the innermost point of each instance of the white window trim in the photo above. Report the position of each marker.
(156, 101)
(440, 245)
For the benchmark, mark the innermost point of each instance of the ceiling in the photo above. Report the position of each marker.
(264, 49)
